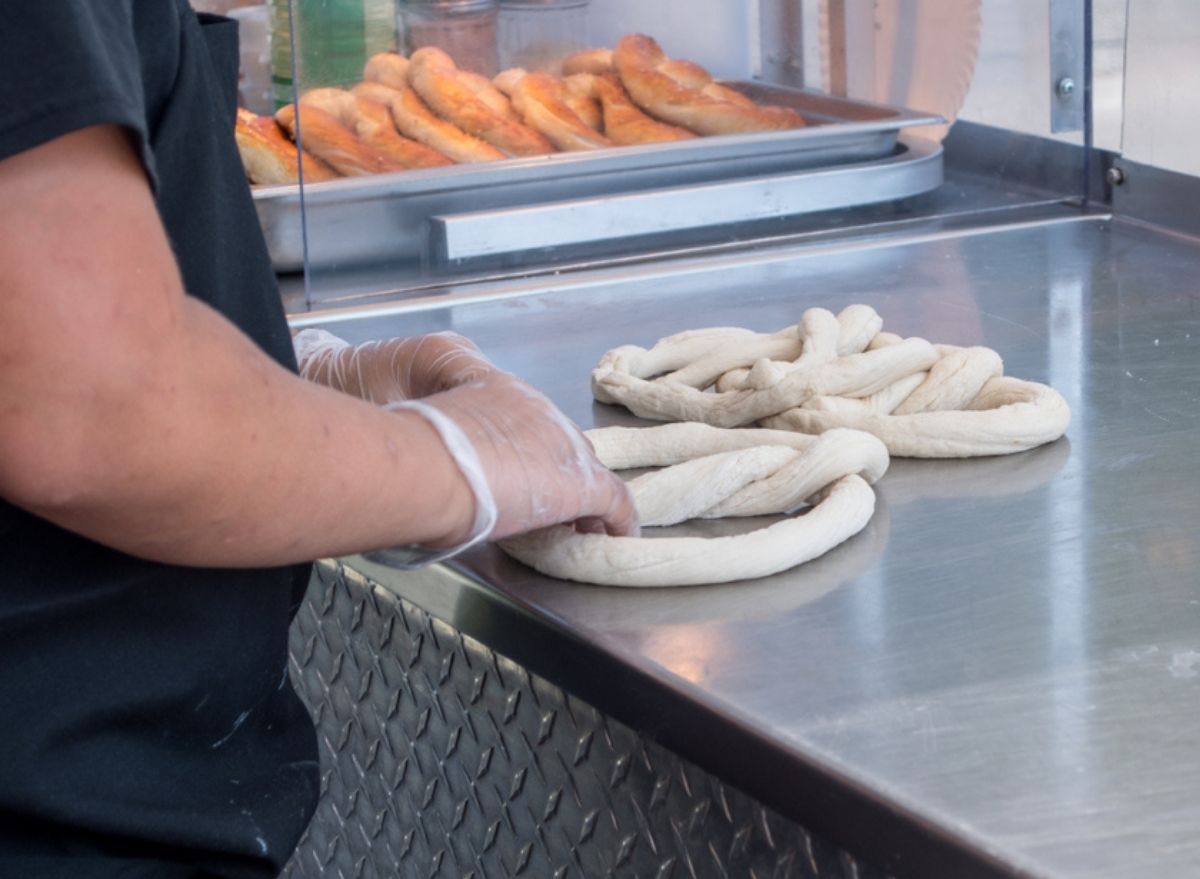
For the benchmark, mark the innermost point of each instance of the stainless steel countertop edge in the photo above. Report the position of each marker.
(487, 292)
(837, 802)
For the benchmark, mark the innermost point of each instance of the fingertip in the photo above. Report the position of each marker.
(623, 518)
(629, 528)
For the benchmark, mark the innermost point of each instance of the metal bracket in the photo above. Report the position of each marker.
(1067, 76)
(589, 221)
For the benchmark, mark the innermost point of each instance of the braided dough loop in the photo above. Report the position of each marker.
(415, 120)
(372, 122)
(542, 101)
(329, 140)
(623, 122)
(589, 61)
(922, 400)
(684, 94)
(713, 473)
(434, 76)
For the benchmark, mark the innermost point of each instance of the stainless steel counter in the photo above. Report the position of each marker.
(1006, 664)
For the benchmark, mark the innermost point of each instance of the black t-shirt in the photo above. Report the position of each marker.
(145, 709)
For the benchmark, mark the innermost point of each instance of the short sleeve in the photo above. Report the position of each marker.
(67, 65)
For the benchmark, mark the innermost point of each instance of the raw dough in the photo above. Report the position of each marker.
(922, 400)
(712, 473)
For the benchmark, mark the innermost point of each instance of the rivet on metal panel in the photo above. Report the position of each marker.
(1066, 64)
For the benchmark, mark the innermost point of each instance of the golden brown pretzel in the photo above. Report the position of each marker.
(577, 94)
(328, 139)
(589, 61)
(377, 128)
(692, 75)
(269, 157)
(494, 97)
(624, 122)
(417, 121)
(387, 68)
(541, 100)
(580, 96)
(672, 92)
(506, 80)
(372, 123)
(338, 103)
(434, 77)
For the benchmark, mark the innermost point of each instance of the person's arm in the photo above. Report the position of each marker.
(138, 416)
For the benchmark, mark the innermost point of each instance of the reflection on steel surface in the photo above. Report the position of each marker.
(441, 758)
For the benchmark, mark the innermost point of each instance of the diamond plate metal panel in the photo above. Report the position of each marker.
(441, 758)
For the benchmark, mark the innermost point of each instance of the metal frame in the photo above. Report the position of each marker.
(1068, 77)
(383, 219)
(481, 234)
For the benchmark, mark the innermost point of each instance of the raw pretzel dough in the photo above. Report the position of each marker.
(922, 400)
(712, 473)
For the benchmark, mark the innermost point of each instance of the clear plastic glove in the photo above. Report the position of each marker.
(394, 369)
(537, 467)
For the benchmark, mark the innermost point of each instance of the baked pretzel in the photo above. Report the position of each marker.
(434, 77)
(414, 119)
(328, 139)
(372, 122)
(589, 61)
(579, 94)
(387, 68)
(692, 75)
(681, 94)
(624, 122)
(494, 97)
(506, 80)
(269, 157)
(541, 100)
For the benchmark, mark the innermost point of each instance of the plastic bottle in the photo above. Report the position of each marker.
(333, 40)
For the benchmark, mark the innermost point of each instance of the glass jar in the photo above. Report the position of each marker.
(539, 34)
(464, 29)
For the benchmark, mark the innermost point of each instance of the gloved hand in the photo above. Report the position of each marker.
(394, 369)
(523, 455)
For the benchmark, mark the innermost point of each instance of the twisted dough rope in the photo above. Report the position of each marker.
(713, 473)
(685, 94)
(545, 104)
(921, 400)
(433, 75)
(372, 122)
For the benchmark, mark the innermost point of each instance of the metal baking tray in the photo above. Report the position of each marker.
(390, 218)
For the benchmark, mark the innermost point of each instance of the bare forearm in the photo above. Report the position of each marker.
(225, 459)
(138, 416)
